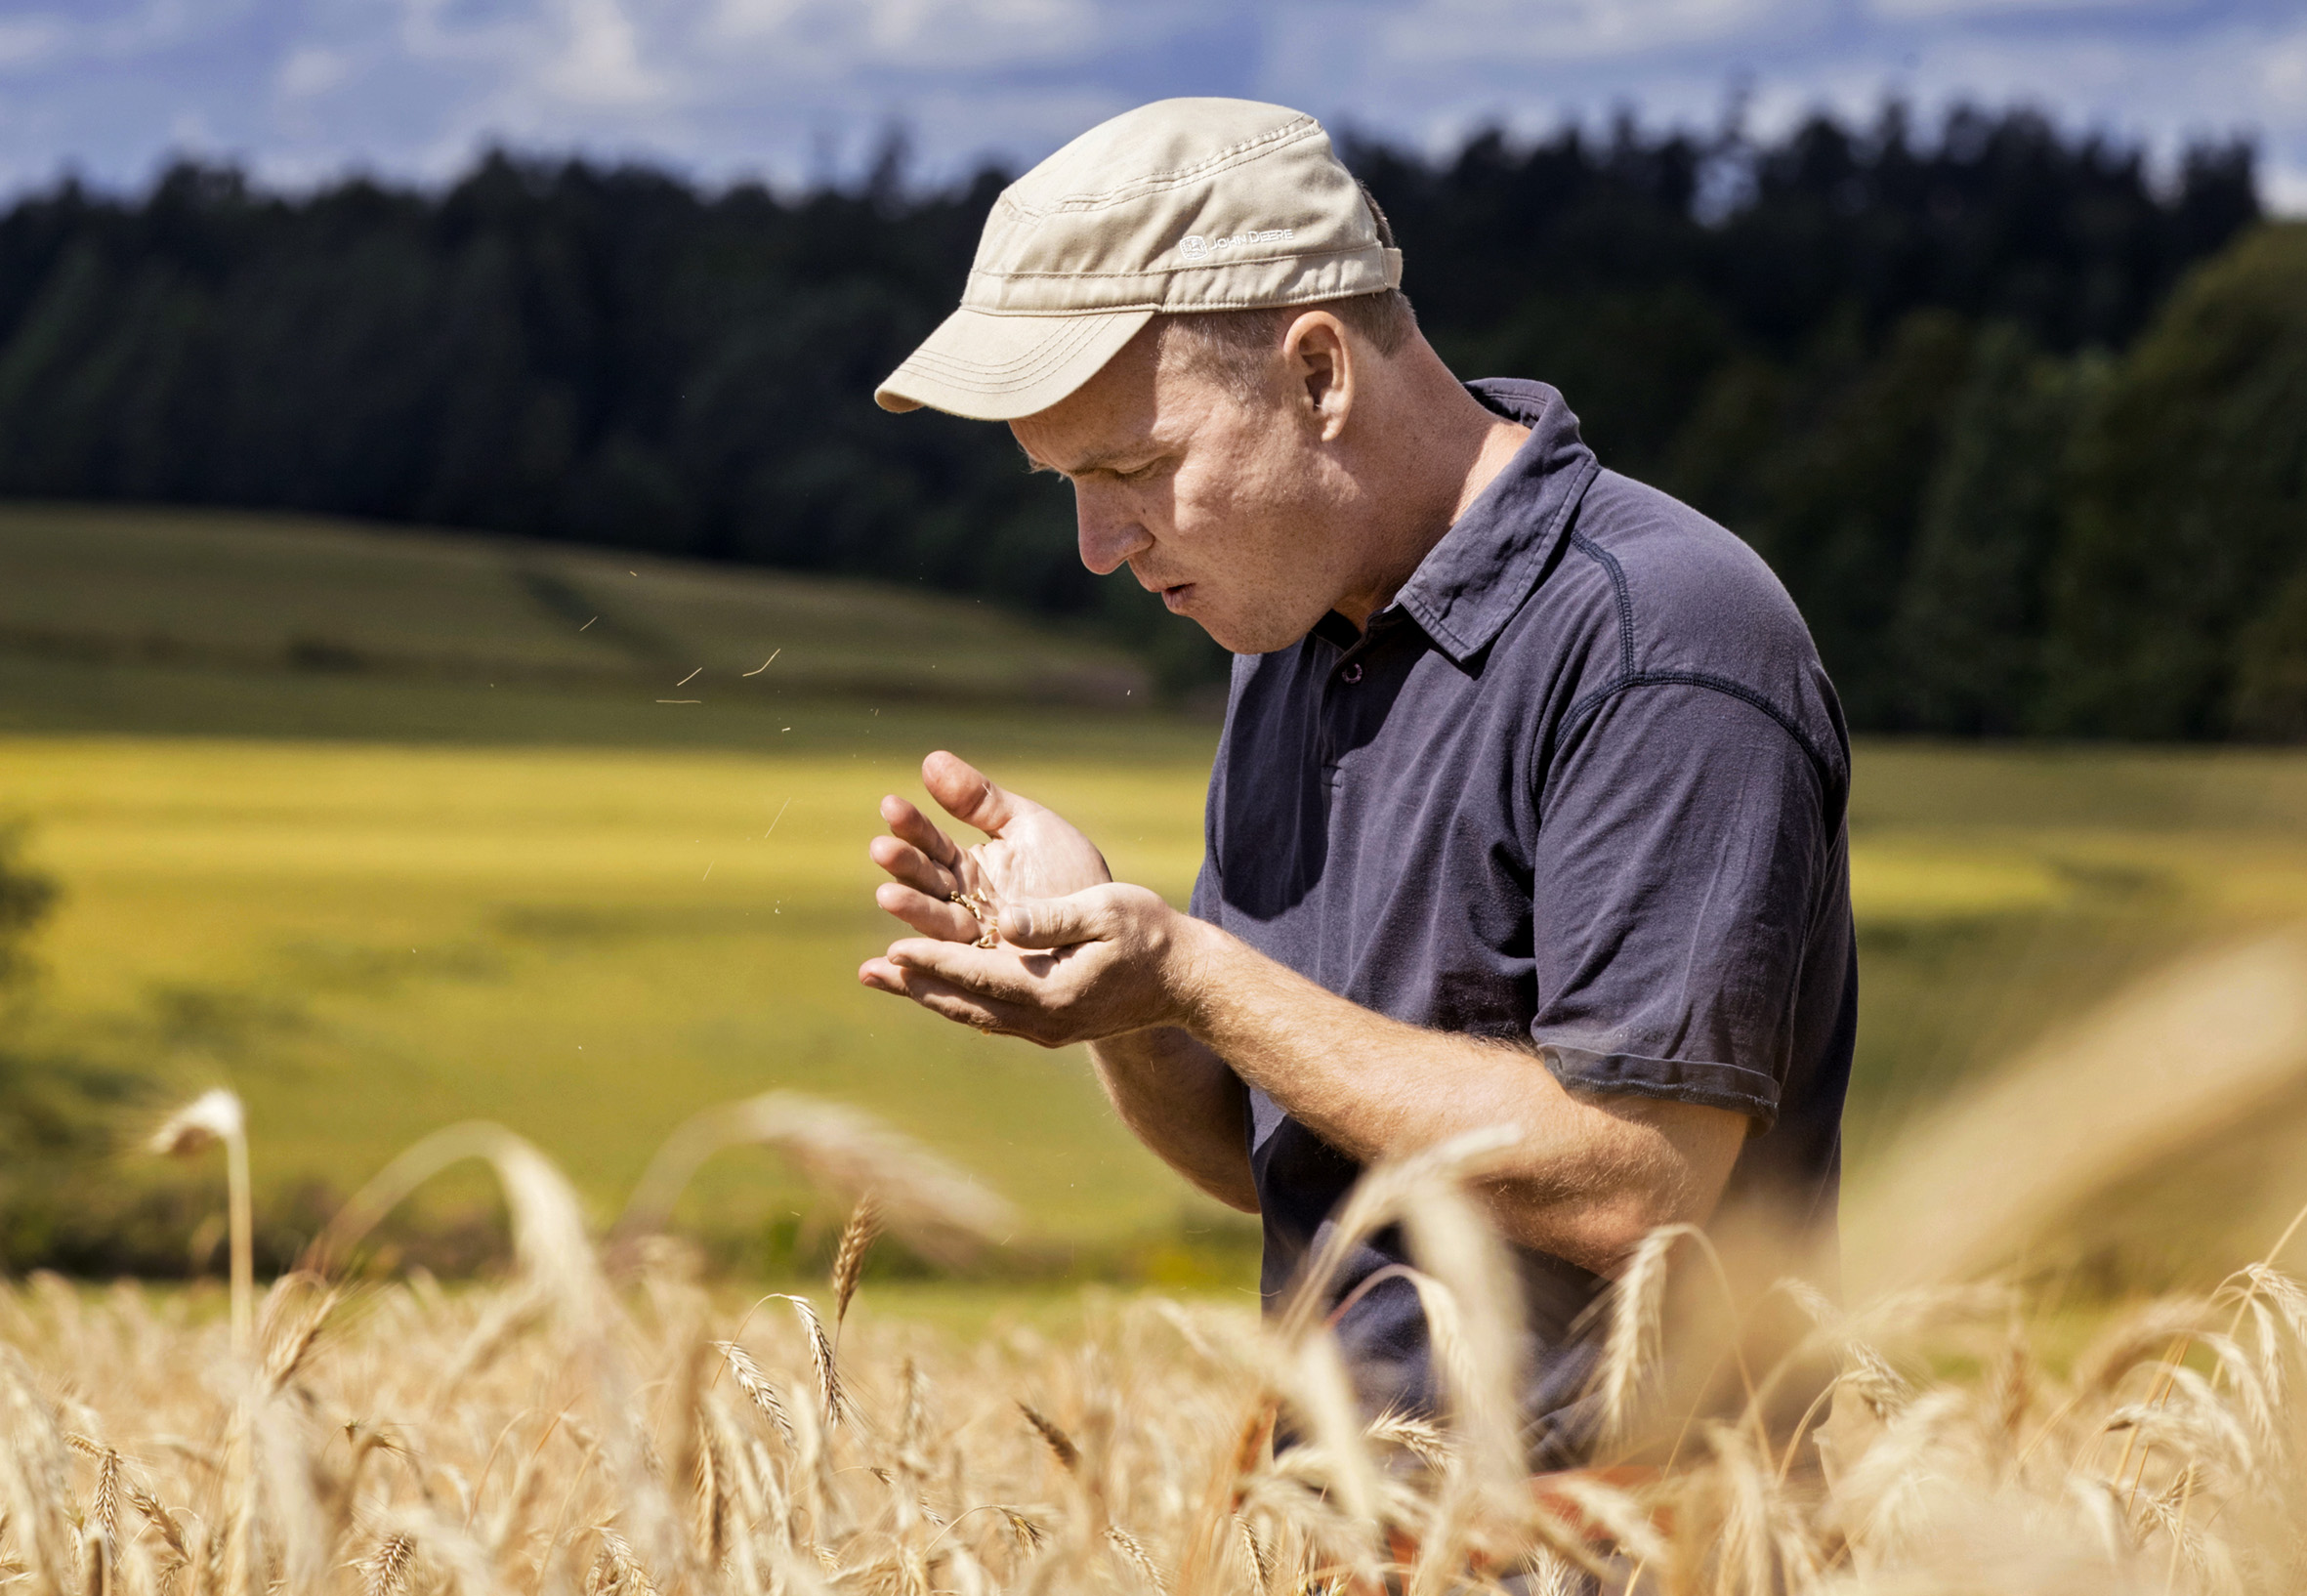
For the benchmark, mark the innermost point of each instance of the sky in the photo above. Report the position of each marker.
(796, 91)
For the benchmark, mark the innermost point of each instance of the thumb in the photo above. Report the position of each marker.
(967, 793)
(1056, 922)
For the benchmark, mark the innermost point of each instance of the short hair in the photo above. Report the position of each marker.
(1233, 344)
(1236, 344)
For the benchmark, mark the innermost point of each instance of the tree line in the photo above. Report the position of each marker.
(2021, 424)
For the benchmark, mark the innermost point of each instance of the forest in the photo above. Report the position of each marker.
(2019, 415)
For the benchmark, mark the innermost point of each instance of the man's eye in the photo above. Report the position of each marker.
(1139, 474)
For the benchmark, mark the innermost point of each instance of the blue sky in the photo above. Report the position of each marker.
(300, 90)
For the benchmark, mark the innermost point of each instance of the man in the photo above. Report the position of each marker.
(1528, 809)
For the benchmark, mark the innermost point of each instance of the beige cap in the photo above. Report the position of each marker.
(1178, 206)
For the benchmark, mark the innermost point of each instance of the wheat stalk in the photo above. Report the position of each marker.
(848, 1258)
(215, 1116)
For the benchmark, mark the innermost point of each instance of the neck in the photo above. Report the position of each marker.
(1433, 448)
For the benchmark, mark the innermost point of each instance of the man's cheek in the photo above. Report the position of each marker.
(1156, 505)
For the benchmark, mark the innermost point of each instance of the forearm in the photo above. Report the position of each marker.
(1115, 966)
(1178, 1098)
(1589, 1176)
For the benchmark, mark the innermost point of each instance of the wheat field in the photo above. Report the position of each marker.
(385, 866)
(602, 1421)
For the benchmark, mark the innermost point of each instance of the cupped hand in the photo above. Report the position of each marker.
(1099, 963)
(1030, 853)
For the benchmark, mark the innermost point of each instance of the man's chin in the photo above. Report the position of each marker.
(1237, 635)
(1232, 631)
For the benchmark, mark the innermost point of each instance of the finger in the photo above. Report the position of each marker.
(969, 795)
(943, 998)
(908, 824)
(908, 864)
(931, 916)
(1059, 922)
(991, 972)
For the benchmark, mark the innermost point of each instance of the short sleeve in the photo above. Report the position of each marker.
(1208, 891)
(1684, 841)
(1209, 882)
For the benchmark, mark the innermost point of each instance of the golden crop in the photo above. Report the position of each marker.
(599, 1422)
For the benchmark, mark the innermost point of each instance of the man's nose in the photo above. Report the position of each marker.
(1109, 533)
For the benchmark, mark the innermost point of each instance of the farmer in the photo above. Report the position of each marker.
(1529, 808)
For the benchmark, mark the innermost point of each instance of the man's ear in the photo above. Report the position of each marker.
(1319, 361)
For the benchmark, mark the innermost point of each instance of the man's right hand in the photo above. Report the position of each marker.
(1175, 1094)
(1028, 853)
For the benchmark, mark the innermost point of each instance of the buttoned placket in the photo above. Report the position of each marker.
(1347, 671)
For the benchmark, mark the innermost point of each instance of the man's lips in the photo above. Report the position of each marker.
(1173, 594)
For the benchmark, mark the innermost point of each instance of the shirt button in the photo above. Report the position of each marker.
(1352, 673)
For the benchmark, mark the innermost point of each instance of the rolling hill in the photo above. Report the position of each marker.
(197, 596)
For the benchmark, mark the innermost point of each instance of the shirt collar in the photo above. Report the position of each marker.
(1470, 583)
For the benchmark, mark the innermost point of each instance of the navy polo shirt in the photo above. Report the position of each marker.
(1580, 785)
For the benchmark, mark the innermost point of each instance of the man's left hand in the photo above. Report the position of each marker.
(1096, 964)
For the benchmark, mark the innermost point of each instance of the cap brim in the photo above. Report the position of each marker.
(999, 368)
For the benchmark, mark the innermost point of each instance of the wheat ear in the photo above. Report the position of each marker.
(848, 1259)
(756, 1387)
(385, 1571)
(1060, 1443)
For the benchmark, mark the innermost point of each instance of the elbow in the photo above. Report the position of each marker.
(1236, 1191)
(1241, 1195)
(1660, 1164)
(1603, 1241)
(1598, 1232)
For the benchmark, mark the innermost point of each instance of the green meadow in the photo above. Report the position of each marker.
(389, 831)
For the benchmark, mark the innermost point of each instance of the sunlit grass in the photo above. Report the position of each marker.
(1907, 880)
(370, 940)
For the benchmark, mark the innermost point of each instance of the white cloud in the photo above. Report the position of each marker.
(2284, 189)
(191, 130)
(95, 32)
(433, 33)
(600, 60)
(310, 70)
(1904, 11)
(945, 34)
(1483, 36)
(729, 86)
(31, 41)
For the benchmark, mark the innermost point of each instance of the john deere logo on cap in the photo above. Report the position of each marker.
(1195, 248)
